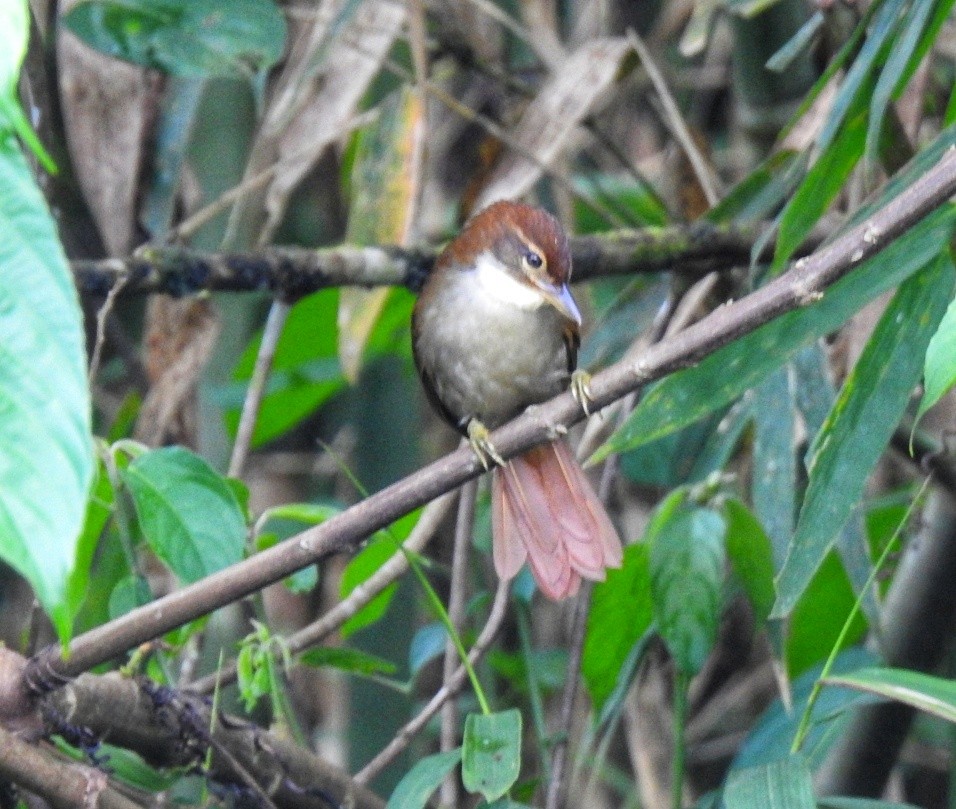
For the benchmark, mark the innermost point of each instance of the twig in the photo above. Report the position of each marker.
(396, 566)
(101, 317)
(278, 313)
(405, 735)
(796, 288)
(675, 121)
(464, 528)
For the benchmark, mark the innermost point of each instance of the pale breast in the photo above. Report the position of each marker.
(488, 358)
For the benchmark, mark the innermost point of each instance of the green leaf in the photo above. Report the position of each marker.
(350, 660)
(427, 644)
(366, 562)
(863, 418)
(797, 44)
(189, 515)
(860, 803)
(689, 395)
(414, 790)
(823, 182)
(621, 613)
(305, 371)
(933, 695)
(687, 570)
(751, 556)
(45, 439)
(782, 784)
(639, 200)
(491, 752)
(548, 668)
(939, 372)
(128, 594)
(184, 37)
(762, 192)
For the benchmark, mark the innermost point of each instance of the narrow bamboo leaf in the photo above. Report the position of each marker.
(621, 613)
(770, 738)
(902, 48)
(885, 21)
(687, 571)
(933, 695)
(183, 37)
(45, 439)
(751, 556)
(189, 515)
(384, 180)
(760, 194)
(860, 803)
(797, 44)
(819, 188)
(939, 373)
(414, 790)
(783, 784)
(773, 490)
(350, 660)
(862, 420)
(491, 753)
(688, 395)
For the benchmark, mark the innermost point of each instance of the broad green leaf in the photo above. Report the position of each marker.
(815, 624)
(376, 553)
(189, 515)
(414, 790)
(784, 784)
(751, 556)
(939, 372)
(305, 371)
(621, 613)
(774, 479)
(184, 37)
(548, 668)
(427, 644)
(491, 752)
(770, 738)
(687, 572)
(831, 802)
(385, 176)
(819, 188)
(863, 418)
(45, 440)
(637, 201)
(128, 594)
(350, 660)
(933, 695)
(303, 580)
(672, 460)
(688, 395)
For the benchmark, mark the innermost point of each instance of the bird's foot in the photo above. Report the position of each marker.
(581, 390)
(481, 445)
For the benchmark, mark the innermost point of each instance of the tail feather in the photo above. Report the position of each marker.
(544, 510)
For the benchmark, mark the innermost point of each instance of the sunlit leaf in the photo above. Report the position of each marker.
(751, 556)
(784, 784)
(415, 788)
(933, 695)
(45, 440)
(350, 660)
(863, 418)
(939, 373)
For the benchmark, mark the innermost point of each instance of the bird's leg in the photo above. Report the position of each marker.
(581, 389)
(481, 445)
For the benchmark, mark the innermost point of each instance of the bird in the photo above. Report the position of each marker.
(496, 330)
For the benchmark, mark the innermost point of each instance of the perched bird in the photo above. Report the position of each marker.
(495, 330)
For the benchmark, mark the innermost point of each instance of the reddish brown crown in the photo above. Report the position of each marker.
(500, 223)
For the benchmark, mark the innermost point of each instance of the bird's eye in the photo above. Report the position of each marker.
(533, 260)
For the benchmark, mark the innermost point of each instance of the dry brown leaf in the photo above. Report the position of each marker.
(579, 88)
(108, 109)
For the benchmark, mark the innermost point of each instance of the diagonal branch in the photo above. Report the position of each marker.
(798, 287)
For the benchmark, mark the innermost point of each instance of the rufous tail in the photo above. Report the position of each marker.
(544, 511)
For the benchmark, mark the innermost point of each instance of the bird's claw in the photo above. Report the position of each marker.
(581, 390)
(481, 445)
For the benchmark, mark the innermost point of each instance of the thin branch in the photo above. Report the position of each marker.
(101, 318)
(294, 271)
(278, 313)
(451, 687)
(800, 286)
(394, 568)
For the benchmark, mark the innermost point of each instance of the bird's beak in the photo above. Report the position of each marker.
(560, 298)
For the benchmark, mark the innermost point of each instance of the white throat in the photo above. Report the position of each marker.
(500, 285)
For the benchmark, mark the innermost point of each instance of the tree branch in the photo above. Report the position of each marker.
(798, 287)
(295, 271)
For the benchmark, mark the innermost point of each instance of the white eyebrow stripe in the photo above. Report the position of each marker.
(502, 286)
